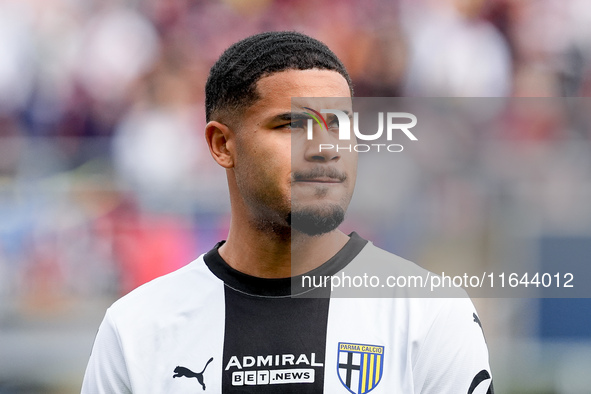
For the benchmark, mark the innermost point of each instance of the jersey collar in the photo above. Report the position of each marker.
(282, 287)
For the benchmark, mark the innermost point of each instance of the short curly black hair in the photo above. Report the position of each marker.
(231, 86)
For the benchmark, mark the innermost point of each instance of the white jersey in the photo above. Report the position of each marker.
(209, 328)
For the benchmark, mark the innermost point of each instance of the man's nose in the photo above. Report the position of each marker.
(323, 147)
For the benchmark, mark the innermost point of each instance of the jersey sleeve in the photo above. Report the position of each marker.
(106, 371)
(453, 358)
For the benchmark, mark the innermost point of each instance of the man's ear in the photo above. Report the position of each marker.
(221, 143)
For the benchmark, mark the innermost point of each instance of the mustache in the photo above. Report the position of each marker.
(319, 172)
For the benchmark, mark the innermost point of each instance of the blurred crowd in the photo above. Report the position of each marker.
(105, 180)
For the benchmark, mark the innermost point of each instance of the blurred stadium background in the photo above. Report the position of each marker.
(106, 183)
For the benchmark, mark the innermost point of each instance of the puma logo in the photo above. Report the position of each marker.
(180, 372)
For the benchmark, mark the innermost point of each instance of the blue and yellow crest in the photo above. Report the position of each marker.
(360, 366)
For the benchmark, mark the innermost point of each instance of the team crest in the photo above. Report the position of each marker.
(360, 366)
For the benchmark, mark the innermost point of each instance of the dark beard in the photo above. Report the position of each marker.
(313, 223)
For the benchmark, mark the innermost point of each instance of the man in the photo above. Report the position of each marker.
(230, 321)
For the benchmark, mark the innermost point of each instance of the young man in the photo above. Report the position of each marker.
(228, 322)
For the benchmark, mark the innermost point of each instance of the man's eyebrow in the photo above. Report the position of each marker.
(289, 116)
(347, 112)
(295, 116)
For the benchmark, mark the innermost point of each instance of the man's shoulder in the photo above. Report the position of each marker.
(160, 294)
(390, 275)
(377, 261)
(414, 286)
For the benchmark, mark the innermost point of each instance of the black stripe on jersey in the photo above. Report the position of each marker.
(276, 336)
(274, 342)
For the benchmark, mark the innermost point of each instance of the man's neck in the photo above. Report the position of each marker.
(267, 255)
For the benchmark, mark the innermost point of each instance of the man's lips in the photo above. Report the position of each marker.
(319, 175)
(319, 180)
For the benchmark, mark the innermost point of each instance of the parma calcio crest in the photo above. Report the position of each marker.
(360, 366)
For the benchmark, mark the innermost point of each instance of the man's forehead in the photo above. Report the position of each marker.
(304, 83)
(319, 103)
(314, 88)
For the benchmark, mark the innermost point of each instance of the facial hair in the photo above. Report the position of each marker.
(316, 222)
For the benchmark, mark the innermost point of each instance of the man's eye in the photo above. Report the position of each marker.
(296, 124)
(333, 124)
